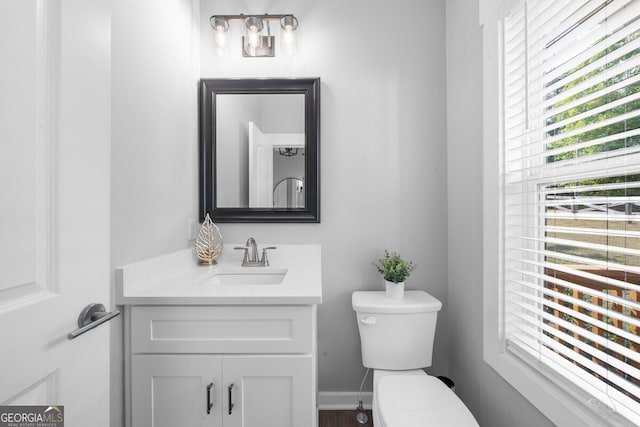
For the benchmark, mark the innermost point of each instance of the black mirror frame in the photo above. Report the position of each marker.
(208, 90)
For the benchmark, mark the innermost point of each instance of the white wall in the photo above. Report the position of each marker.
(153, 149)
(383, 163)
(382, 153)
(383, 148)
(491, 399)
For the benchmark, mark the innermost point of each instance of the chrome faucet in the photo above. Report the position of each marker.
(252, 250)
(250, 258)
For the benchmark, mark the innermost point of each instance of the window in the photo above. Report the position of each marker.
(570, 198)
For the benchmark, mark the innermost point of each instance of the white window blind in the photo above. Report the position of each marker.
(570, 174)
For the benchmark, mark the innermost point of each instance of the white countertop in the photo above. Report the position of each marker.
(178, 279)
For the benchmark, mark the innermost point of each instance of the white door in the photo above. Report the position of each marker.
(170, 391)
(54, 208)
(268, 391)
(260, 169)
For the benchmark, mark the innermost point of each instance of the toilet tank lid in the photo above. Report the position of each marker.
(378, 302)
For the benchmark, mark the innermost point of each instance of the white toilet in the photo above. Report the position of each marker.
(397, 342)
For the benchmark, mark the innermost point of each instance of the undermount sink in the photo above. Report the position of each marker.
(247, 276)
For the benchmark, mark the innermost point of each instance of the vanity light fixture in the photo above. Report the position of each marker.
(257, 40)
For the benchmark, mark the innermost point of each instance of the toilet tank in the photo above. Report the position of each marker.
(396, 334)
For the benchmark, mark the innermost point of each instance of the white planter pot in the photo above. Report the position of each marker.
(394, 290)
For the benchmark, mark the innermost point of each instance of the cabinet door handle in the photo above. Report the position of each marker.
(209, 403)
(230, 398)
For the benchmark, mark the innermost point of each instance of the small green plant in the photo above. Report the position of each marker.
(393, 267)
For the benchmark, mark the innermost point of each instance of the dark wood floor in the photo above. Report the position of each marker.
(342, 419)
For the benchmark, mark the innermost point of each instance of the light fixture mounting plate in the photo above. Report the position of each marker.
(265, 48)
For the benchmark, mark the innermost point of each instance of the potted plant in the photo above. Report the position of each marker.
(395, 270)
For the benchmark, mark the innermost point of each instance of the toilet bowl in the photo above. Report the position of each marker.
(396, 337)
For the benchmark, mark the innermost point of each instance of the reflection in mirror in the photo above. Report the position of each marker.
(249, 127)
(255, 133)
(288, 164)
(289, 193)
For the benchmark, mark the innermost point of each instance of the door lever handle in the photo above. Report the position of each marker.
(91, 316)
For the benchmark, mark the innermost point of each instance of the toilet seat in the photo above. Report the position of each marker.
(419, 400)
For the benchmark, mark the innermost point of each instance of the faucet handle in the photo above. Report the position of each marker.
(265, 260)
(245, 259)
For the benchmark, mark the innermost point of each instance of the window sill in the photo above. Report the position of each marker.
(561, 407)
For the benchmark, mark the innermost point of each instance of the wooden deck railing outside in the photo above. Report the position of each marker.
(626, 294)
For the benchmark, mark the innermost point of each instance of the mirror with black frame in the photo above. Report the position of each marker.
(259, 150)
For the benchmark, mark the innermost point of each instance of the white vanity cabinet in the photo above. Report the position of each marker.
(254, 365)
(193, 340)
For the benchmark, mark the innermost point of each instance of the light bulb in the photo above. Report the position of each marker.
(220, 26)
(289, 44)
(252, 39)
(253, 26)
(220, 43)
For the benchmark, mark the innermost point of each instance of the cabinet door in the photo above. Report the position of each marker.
(269, 391)
(170, 391)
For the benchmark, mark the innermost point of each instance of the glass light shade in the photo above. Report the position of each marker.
(253, 26)
(289, 42)
(219, 23)
(220, 26)
(220, 43)
(289, 23)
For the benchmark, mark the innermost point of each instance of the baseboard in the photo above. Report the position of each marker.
(341, 400)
